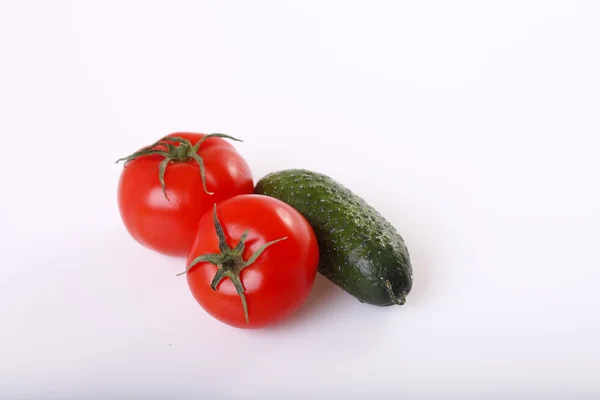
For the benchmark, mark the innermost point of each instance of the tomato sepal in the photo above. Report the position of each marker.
(185, 151)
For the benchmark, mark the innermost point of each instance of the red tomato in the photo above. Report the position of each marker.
(265, 278)
(165, 217)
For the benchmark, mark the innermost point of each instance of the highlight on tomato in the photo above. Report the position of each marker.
(253, 262)
(166, 187)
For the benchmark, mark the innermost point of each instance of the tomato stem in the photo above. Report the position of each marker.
(184, 151)
(230, 262)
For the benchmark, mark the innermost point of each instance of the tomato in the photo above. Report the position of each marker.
(165, 188)
(253, 262)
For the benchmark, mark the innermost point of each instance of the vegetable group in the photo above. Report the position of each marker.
(252, 253)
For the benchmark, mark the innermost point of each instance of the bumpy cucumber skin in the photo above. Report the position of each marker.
(360, 251)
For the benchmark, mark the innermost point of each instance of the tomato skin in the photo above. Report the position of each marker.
(280, 279)
(169, 227)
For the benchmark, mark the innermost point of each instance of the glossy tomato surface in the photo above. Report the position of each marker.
(168, 226)
(280, 279)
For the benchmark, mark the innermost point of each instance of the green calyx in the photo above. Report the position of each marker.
(182, 151)
(229, 261)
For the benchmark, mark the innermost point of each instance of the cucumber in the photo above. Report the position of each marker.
(360, 251)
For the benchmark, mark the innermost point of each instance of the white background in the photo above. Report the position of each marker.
(472, 126)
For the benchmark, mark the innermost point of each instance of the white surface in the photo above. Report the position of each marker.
(472, 126)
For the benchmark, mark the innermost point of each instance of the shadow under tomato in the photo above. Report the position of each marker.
(320, 298)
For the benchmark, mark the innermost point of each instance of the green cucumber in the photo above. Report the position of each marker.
(360, 251)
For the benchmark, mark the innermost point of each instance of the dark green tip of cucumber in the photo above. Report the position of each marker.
(360, 251)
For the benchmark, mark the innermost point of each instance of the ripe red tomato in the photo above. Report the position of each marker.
(253, 262)
(163, 215)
